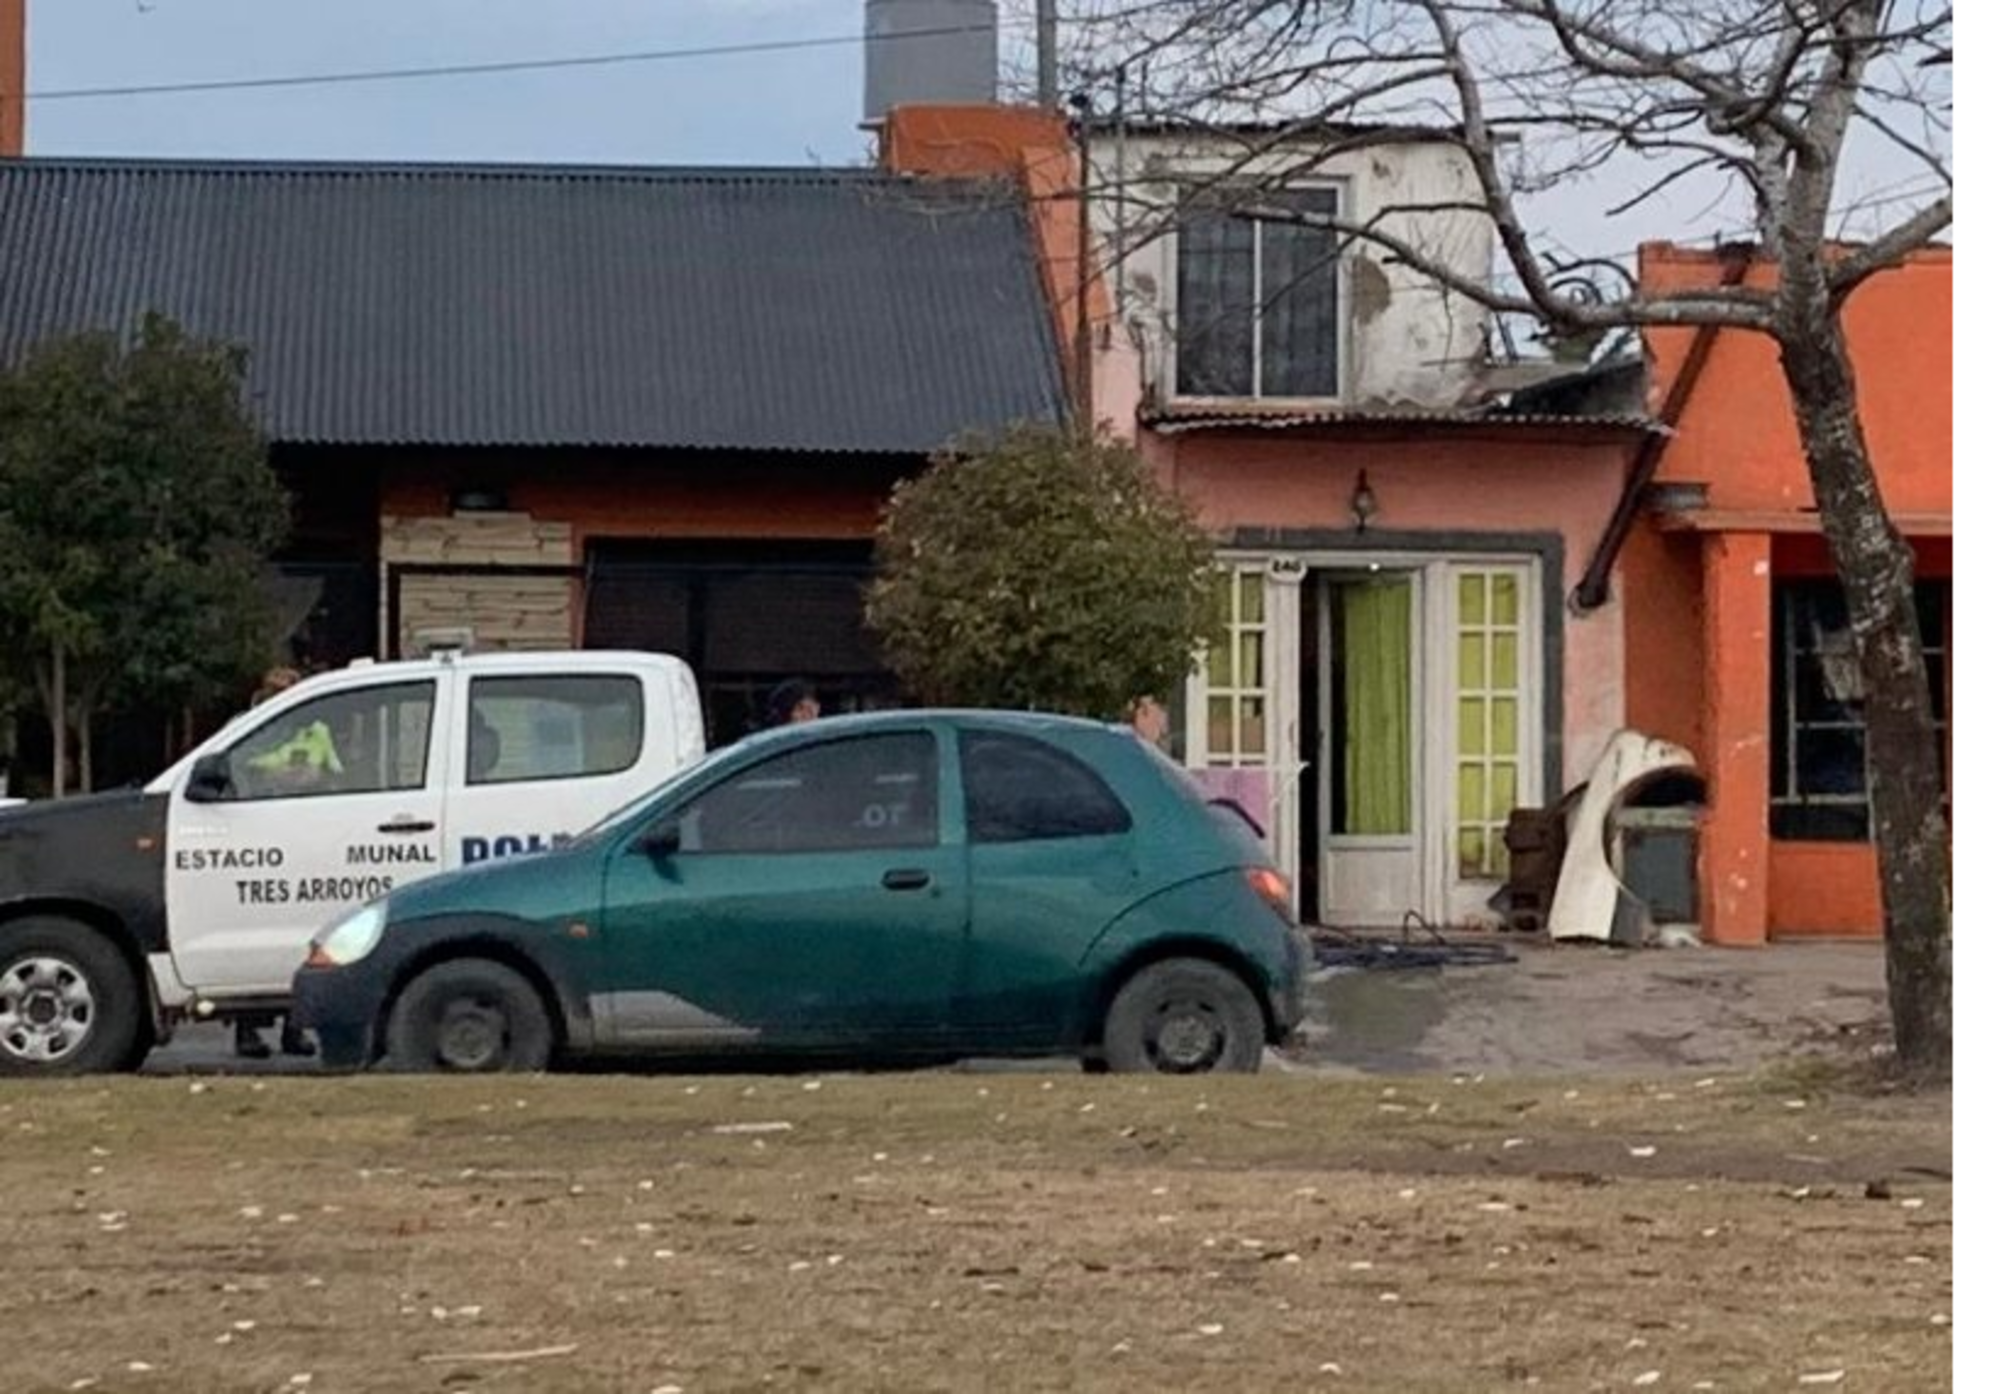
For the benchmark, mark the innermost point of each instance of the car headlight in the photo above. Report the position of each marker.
(351, 939)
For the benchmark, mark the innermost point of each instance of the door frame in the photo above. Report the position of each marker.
(1421, 665)
(1285, 556)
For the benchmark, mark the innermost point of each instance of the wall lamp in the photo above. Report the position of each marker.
(1364, 505)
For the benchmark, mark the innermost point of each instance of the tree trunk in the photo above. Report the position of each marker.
(1904, 770)
(57, 701)
(84, 775)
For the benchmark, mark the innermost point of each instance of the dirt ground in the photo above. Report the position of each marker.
(955, 1231)
(1592, 1009)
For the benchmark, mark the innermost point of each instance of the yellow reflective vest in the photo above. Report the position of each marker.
(311, 746)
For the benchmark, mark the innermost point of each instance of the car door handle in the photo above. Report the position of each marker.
(407, 825)
(906, 880)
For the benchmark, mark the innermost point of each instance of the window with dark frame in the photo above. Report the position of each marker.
(1818, 742)
(1258, 301)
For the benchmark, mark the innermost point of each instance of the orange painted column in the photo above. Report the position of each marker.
(13, 76)
(1735, 641)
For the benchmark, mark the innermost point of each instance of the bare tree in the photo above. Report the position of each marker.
(1757, 105)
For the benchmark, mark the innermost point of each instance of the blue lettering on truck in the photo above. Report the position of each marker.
(484, 849)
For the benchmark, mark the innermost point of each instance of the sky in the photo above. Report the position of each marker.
(801, 107)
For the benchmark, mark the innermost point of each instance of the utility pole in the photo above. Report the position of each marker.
(1044, 50)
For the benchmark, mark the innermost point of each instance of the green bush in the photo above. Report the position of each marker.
(1042, 570)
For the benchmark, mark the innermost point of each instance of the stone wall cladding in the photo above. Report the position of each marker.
(503, 612)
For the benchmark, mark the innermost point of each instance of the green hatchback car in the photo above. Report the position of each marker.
(907, 885)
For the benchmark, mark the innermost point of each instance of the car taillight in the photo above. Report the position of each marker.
(1273, 888)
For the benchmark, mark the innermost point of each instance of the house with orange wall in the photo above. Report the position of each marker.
(1401, 668)
(1736, 643)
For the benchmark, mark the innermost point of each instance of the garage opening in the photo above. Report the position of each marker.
(747, 616)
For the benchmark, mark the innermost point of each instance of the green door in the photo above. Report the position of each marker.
(813, 901)
(1052, 864)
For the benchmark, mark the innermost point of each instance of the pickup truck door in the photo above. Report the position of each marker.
(332, 800)
(544, 752)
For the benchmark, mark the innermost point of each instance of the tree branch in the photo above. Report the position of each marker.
(1888, 249)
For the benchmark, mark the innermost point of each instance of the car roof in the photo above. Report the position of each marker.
(1026, 723)
(571, 659)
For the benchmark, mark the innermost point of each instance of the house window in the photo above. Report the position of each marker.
(1238, 678)
(1818, 743)
(1258, 302)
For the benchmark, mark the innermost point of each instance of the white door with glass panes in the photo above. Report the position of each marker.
(1492, 720)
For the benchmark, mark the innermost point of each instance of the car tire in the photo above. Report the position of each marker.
(469, 1016)
(69, 1002)
(1184, 1016)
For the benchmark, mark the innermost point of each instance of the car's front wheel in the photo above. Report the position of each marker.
(469, 1016)
(1184, 1016)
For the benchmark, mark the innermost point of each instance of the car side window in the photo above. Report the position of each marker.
(364, 741)
(1023, 790)
(553, 726)
(859, 794)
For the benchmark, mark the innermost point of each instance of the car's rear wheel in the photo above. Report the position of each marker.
(469, 1016)
(1184, 1016)
(69, 1002)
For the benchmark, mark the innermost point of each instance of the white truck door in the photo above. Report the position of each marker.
(330, 801)
(546, 749)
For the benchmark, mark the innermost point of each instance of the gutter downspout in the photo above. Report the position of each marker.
(1594, 588)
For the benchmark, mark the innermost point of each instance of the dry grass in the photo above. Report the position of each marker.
(963, 1232)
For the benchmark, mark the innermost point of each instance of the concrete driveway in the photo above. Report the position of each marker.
(1589, 1008)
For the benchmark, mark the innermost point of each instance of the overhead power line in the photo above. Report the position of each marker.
(521, 65)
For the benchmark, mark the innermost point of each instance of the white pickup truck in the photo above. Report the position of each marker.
(122, 914)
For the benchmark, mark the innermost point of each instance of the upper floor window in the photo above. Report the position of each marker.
(1257, 308)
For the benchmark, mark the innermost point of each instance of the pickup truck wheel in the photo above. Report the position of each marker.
(469, 1016)
(1184, 1016)
(69, 1003)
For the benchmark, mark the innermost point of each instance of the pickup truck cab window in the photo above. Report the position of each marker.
(370, 740)
(553, 726)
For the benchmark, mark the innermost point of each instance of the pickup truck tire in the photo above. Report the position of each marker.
(1184, 1016)
(69, 1002)
(469, 1016)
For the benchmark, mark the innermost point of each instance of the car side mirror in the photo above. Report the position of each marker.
(661, 840)
(209, 781)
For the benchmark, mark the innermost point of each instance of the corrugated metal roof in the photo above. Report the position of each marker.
(846, 310)
(1177, 420)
